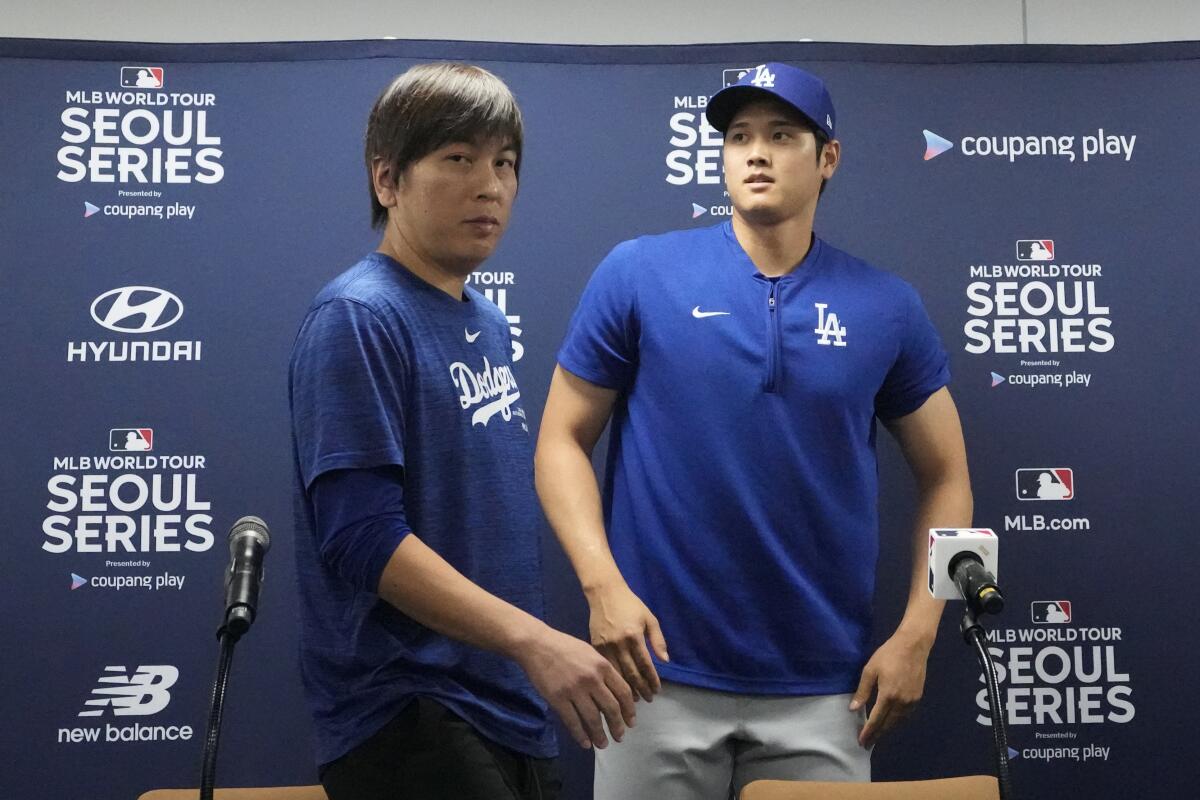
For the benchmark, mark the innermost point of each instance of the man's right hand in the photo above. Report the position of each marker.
(579, 685)
(620, 625)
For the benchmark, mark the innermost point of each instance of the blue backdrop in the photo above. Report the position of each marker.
(1040, 198)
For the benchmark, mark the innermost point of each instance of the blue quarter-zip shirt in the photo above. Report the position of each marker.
(741, 485)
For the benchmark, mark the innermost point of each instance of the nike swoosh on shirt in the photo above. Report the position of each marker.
(471, 337)
(698, 314)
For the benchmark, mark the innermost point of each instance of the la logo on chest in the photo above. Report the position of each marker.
(829, 330)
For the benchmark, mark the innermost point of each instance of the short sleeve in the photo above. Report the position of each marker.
(347, 385)
(921, 367)
(602, 339)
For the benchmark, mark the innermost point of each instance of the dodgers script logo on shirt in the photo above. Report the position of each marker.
(494, 387)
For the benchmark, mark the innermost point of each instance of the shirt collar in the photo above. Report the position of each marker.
(811, 259)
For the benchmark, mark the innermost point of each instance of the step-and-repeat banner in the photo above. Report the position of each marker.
(168, 211)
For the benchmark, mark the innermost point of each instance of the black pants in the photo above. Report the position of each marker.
(429, 753)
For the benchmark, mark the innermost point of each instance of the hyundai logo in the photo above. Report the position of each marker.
(137, 309)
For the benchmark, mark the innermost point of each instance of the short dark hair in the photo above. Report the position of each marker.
(430, 106)
(819, 134)
(822, 139)
(800, 119)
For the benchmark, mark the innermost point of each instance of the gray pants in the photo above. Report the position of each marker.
(698, 744)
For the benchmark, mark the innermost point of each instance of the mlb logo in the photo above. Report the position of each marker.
(131, 440)
(731, 76)
(1035, 250)
(142, 77)
(1050, 612)
(1046, 483)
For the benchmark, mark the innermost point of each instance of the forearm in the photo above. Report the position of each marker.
(425, 587)
(573, 678)
(946, 503)
(570, 496)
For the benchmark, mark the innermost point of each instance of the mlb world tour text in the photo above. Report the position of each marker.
(139, 145)
(1043, 315)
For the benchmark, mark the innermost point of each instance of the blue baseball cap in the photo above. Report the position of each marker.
(801, 90)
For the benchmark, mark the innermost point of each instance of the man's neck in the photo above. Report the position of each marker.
(427, 269)
(777, 248)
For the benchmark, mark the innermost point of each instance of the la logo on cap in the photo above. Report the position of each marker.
(763, 77)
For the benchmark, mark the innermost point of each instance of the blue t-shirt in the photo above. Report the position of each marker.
(389, 371)
(741, 487)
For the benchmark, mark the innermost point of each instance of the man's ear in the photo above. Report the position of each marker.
(384, 182)
(831, 157)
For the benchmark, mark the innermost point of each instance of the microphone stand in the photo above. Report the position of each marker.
(248, 543)
(228, 634)
(975, 637)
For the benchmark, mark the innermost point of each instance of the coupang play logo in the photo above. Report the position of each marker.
(1083, 149)
(935, 145)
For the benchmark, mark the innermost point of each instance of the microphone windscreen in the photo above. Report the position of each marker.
(252, 524)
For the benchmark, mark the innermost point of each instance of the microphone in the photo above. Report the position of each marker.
(248, 543)
(962, 566)
(975, 583)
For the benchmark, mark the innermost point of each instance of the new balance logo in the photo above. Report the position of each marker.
(141, 694)
(829, 330)
(763, 77)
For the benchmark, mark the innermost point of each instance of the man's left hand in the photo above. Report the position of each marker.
(896, 674)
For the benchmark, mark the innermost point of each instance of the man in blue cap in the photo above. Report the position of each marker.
(744, 367)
